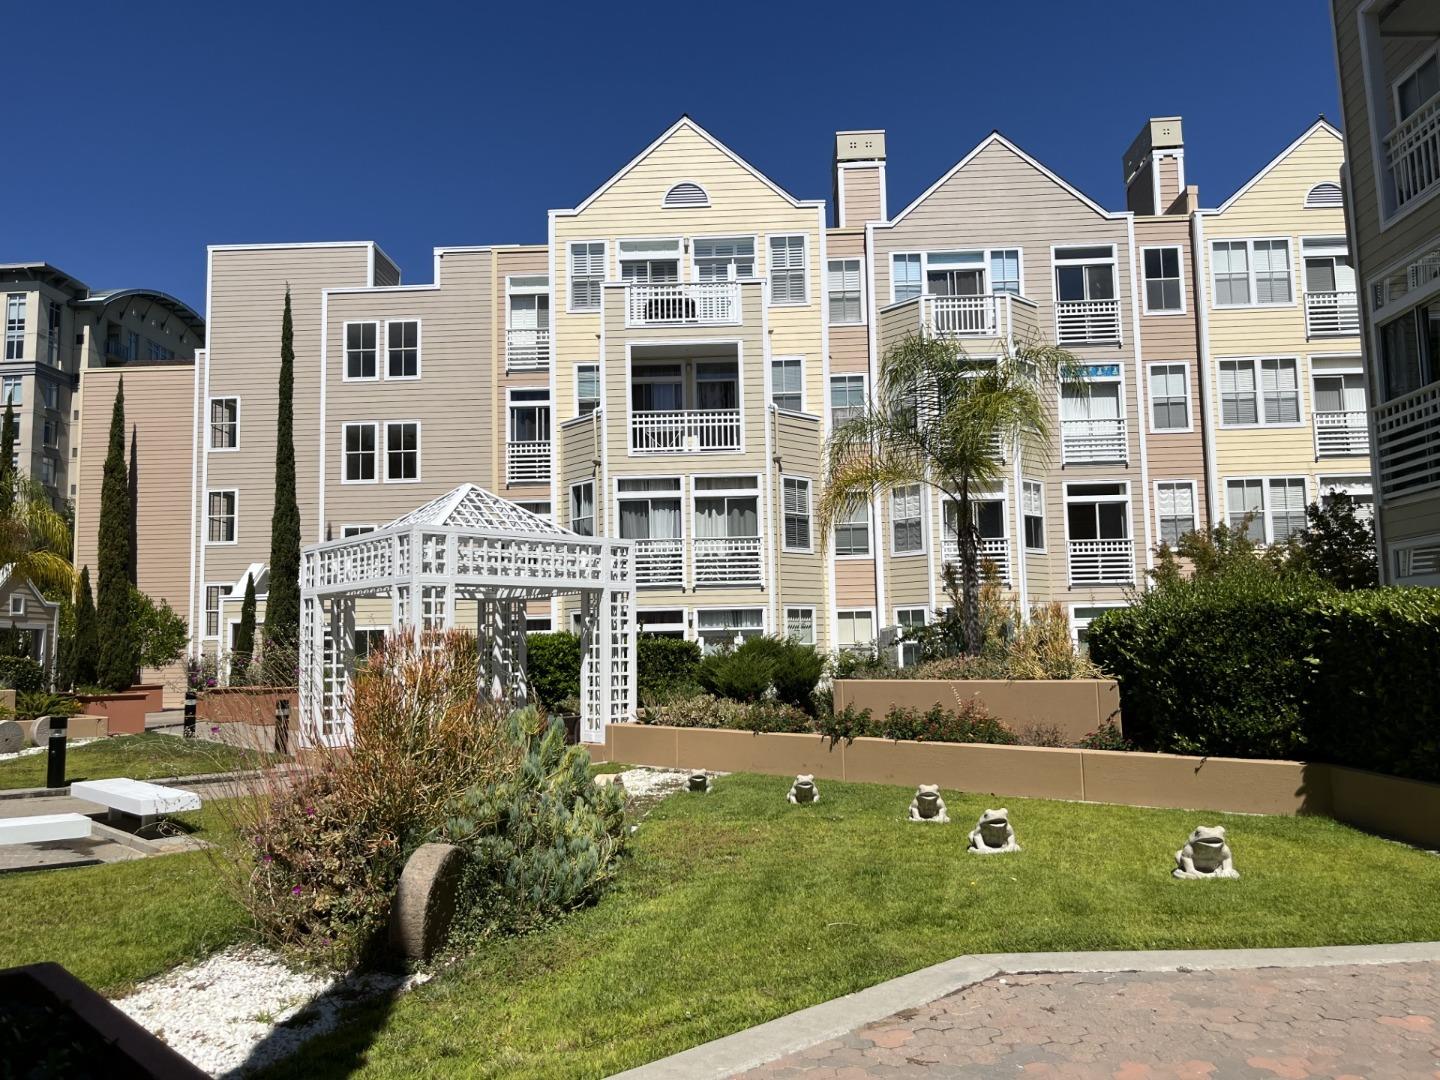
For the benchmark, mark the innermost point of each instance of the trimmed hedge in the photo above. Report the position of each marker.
(1280, 668)
(21, 674)
(553, 665)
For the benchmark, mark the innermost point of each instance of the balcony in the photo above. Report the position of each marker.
(1341, 434)
(693, 303)
(527, 350)
(1102, 562)
(1087, 322)
(993, 549)
(1413, 150)
(659, 562)
(1407, 435)
(991, 315)
(1328, 314)
(1093, 442)
(688, 431)
(527, 462)
(728, 560)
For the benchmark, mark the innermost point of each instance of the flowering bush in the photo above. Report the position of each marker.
(702, 710)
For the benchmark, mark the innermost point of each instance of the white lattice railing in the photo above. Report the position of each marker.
(696, 303)
(1083, 441)
(729, 560)
(527, 462)
(965, 316)
(1407, 442)
(993, 549)
(1080, 321)
(1330, 313)
(1102, 562)
(1341, 433)
(690, 431)
(659, 562)
(527, 350)
(1414, 151)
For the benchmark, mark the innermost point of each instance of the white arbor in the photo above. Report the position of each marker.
(468, 545)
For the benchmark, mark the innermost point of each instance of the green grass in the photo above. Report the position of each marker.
(737, 907)
(140, 757)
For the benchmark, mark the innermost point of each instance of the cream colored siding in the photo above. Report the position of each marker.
(854, 582)
(863, 196)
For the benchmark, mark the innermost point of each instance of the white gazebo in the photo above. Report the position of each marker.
(468, 545)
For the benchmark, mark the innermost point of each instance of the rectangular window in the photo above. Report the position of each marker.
(49, 433)
(905, 278)
(1175, 507)
(347, 531)
(1169, 397)
(213, 595)
(724, 259)
(909, 620)
(797, 513)
(844, 277)
(652, 261)
(47, 472)
(906, 506)
(1084, 273)
(538, 507)
(847, 398)
(787, 269)
(854, 629)
(360, 350)
(587, 271)
(717, 629)
(1034, 513)
(852, 529)
(787, 383)
(582, 508)
(587, 389)
(1164, 291)
(800, 625)
(402, 349)
(53, 332)
(358, 446)
(50, 395)
(402, 450)
(12, 388)
(224, 423)
(221, 516)
(1005, 271)
(1251, 272)
(661, 622)
(15, 326)
(155, 352)
(1264, 392)
(1269, 509)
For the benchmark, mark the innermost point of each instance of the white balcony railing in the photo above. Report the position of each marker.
(1080, 322)
(659, 562)
(691, 303)
(1413, 148)
(1341, 433)
(1093, 441)
(527, 350)
(1102, 562)
(728, 560)
(1407, 437)
(1330, 313)
(527, 462)
(965, 316)
(690, 431)
(993, 549)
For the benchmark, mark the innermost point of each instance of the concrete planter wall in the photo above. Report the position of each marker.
(1405, 809)
(245, 704)
(124, 712)
(1075, 706)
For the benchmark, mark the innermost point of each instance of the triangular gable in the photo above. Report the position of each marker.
(686, 122)
(470, 506)
(11, 582)
(995, 138)
(1319, 125)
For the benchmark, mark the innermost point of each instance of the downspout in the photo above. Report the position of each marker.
(1202, 322)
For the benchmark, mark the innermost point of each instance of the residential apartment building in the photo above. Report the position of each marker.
(1388, 54)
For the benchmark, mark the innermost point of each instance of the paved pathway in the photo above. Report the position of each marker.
(1372, 1021)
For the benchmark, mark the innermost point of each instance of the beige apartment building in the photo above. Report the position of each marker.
(1388, 55)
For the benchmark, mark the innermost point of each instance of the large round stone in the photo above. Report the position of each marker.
(424, 904)
(12, 737)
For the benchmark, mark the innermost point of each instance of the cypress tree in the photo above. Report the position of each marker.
(282, 603)
(7, 462)
(117, 663)
(86, 643)
(244, 648)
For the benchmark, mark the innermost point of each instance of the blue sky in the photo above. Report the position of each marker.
(143, 132)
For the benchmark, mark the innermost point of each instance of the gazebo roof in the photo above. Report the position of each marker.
(472, 507)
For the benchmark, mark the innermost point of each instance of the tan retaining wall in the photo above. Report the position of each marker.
(1075, 706)
(245, 705)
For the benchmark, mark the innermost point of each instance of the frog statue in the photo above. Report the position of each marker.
(927, 805)
(699, 780)
(993, 834)
(1205, 855)
(804, 789)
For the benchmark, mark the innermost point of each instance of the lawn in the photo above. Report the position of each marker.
(140, 757)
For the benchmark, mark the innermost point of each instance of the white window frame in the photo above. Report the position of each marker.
(681, 628)
(222, 591)
(570, 276)
(682, 263)
(1250, 242)
(902, 626)
(234, 494)
(666, 204)
(1044, 524)
(385, 451)
(775, 360)
(16, 326)
(1419, 62)
(986, 264)
(842, 613)
(419, 350)
(869, 552)
(592, 517)
(1195, 515)
(733, 273)
(830, 290)
(760, 631)
(345, 350)
(1267, 510)
(236, 424)
(1056, 262)
(836, 376)
(599, 387)
(1259, 367)
(374, 426)
(801, 610)
(532, 506)
(1076, 622)
(15, 383)
(349, 529)
(804, 269)
(1184, 366)
(919, 516)
(808, 514)
(1145, 280)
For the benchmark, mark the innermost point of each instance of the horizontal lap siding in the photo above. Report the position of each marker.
(802, 576)
(529, 260)
(863, 196)
(1410, 519)
(854, 583)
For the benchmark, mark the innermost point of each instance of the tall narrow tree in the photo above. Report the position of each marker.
(243, 650)
(86, 644)
(7, 462)
(117, 663)
(282, 604)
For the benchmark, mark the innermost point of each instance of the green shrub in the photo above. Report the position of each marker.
(1107, 736)
(968, 722)
(706, 711)
(849, 723)
(552, 666)
(21, 674)
(763, 666)
(30, 704)
(664, 665)
(797, 672)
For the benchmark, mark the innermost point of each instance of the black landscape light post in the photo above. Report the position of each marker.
(55, 752)
(282, 725)
(189, 714)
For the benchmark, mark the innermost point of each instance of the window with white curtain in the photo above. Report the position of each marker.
(649, 508)
(1169, 397)
(1005, 271)
(1274, 506)
(587, 271)
(844, 287)
(906, 281)
(1175, 508)
(582, 508)
(800, 625)
(787, 269)
(1340, 393)
(1259, 392)
(587, 389)
(653, 261)
(724, 258)
(787, 383)
(847, 398)
(854, 629)
(852, 529)
(1095, 401)
(726, 507)
(906, 507)
(1251, 272)
(797, 513)
(719, 628)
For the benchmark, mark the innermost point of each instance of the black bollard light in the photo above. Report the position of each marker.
(282, 725)
(55, 753)
(190, 714)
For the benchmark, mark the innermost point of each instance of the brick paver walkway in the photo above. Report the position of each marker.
(1367, 1021)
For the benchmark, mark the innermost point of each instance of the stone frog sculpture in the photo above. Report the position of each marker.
(1205, 855)
(804, 789)
(927, 805)
(699, 781)
(993, 834)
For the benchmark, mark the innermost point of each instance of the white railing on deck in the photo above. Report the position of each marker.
(1102, 562)
(659, 562)
(690, 431)
(527, 462)
(527, 350)
(693, 303)
(1080, 321)
(1329, 313)
(1407, 437)
(993, 549)
(965, 316)
(727, 560)
(1085, 441)
(1341, 433)
(1413, 148)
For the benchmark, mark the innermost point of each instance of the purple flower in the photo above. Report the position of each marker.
(214, 729)
(295, 891)
(309, 811)
(267, 859)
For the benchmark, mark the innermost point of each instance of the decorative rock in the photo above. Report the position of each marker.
(608, 779)
(1205, 856)
(699, 780)
(927, 805)
(424, 903)
(993, 834)
(12, 737)
(38, 730)
(803, 790)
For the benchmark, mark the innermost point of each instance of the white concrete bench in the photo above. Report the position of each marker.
(43, 827)
(135, 797)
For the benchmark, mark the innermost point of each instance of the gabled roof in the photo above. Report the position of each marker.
(9, 580)
(472, 507)
(1319, 125)
(995, 138)
(686, 122)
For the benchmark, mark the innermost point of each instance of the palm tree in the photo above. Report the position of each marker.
(35, 538)
(941, 419)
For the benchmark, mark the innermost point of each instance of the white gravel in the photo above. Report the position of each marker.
(650, 783)
(70, 744)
